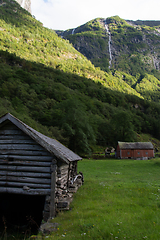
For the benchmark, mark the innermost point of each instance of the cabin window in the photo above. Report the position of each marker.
(128, 153)
(138, 153)
(146, 153)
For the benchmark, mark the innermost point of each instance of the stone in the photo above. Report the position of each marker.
(48, 227)
(26, 4)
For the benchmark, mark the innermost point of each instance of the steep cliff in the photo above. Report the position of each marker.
(130, 46)
(26, 4)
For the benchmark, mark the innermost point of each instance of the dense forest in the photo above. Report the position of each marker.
(48, 84)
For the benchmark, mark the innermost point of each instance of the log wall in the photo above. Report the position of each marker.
(25, 166)
(28, 168)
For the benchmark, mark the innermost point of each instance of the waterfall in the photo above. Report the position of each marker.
(73, 31)
(23, 4)
(109, 43)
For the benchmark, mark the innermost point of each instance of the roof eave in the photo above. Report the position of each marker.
(26, 129)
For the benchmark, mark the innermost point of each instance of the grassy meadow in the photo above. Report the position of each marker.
(120, 199)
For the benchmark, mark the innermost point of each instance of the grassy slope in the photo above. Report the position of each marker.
(119, 199)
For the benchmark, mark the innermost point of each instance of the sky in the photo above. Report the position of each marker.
(68, 14)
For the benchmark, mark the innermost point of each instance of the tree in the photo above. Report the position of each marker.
(76, 125)
(123, 127)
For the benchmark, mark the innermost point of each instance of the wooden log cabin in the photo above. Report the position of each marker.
(33, 164)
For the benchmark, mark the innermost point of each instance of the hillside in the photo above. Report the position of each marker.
(130, 46)
(48, 84)
(136, 41)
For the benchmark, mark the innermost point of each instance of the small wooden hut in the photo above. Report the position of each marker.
(35, 165)
(135, 150)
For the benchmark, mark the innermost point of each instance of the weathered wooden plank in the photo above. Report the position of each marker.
(29, 158)
(29, 185)
(26, 174)
(25, 152)
(25, 179)
(17, 141)
(26, 169)
(11, 132)
(20, 147)
(25, 163)
(18, 137)
(25, 192)
(53, 183)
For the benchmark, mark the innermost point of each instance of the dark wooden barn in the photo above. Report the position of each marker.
(32, 164)
(135, 150)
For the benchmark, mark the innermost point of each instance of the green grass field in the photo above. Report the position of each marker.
(120, 199)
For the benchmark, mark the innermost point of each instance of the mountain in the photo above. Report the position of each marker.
(49, 85)
(26, 4)
(132, 46)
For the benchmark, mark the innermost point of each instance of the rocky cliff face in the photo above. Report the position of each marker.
(130, 46)
(26, 4)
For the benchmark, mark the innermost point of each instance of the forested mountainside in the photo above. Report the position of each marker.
(48, 84)
(134, 45)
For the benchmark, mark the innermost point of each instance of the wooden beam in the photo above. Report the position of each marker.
(18, 141)
(25, 158)
(26, 169)
(29, 185)
(25, 163)
(53, 183)
(25, 192)
(18, 137)
(25, 174)
(20, 147)
(24, 152)
(10, 132)
(25, 179)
